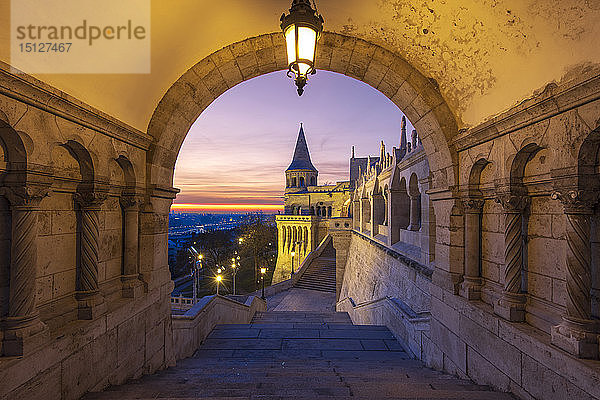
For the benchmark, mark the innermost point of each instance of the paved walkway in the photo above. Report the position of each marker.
(296, 299)
(299, 355)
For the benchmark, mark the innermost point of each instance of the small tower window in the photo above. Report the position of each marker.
(329, 211)
(313, 181)
(302, 181)
(293, 182)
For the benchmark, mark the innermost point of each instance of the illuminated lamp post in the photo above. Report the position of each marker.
(302, 29)
(234, 268)
(293, 253)
(263, 271)
(219, 278)
(195, 272)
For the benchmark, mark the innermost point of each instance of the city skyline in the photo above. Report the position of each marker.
(258, 122)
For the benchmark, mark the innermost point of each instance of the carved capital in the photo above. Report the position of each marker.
(90, 200)
(129, 202)
(512, 203)
(25, 196)
(577, 201)
(473, 205)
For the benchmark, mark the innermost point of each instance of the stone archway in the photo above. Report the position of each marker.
(416, 95)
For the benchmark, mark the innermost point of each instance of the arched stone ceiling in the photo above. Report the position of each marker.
(486, 55)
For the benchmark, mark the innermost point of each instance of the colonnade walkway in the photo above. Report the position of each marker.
(299, 355)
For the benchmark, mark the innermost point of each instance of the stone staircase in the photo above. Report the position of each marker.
(299, 355)
(320, 274)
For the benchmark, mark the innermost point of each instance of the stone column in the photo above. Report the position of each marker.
(356, 214)
(471, 285)
(341, 243)
(365, 212)
(511, 305)
(377, 213)
(414, 212)
(131, 284)
(577, 333)
(90, 302)
(393, 217)
(23, 329)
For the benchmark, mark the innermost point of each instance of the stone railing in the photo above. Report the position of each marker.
(182, 303)
(407, 325)
(191, 328)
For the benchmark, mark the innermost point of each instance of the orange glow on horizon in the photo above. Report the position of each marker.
(226, 207)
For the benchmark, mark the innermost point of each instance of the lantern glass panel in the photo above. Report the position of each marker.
(290, 39)
(307, 39)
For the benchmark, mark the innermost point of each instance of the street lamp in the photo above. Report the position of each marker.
(293, 253)
(219, 278)
(302, 29)
(195, 272)
(234, 267)
(263, 271)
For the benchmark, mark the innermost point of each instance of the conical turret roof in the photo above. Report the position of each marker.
(301, 158)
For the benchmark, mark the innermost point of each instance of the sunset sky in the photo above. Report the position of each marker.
(235, 155)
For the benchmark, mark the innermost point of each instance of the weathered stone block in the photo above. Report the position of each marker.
(556, 387)
(485, 372)
(503, 355)
(450, 344)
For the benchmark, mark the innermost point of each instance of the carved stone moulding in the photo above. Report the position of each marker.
(130, 202)
(512, 203)
(28, 196)
(511, 306)
(132, 286)
(577, 337)
(473, 205)
(90, 200)
(23, 335)
(90, 304)
(577, 201)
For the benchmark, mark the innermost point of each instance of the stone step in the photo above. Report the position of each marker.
(299, 355)
(314, 287)
(317, 276)
(317, 282)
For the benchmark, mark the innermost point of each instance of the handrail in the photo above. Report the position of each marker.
(398, 314)
(397, 303)
(192, 328)
(424, 270)
(290, 282)
(316, 253)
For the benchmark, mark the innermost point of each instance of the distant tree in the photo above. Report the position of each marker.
(182, 264)
(216, 246)
(257, 239)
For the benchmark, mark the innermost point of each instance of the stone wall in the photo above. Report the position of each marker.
(513, 297)
(129, 341)
(375, 272)
(190, 329)
(84, 280)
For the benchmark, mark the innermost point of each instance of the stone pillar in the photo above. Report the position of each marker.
(511, 305)
(356, 214)
(23, 329)
(90, 302)
(471, 285)
(341, 243)
(365, 213)
(577, 333)
(393, 217)
(415, 210)
(377, 213)
(131, 284)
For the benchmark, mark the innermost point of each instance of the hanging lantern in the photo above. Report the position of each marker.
(302, 28)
